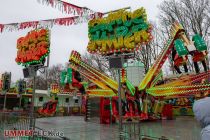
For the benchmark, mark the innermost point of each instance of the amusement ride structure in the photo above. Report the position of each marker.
(150, 91)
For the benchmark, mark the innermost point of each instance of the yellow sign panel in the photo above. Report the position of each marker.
(121, 31)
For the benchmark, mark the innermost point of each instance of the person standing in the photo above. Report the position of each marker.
(202, 114)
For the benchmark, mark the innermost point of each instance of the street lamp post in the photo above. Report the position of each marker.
(116, 62)
(32, 116)
(120, 102)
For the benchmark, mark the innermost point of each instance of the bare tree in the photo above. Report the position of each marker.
(194, 15)
(52, 74)
(47, 77)
(147, 54)
(99, 63)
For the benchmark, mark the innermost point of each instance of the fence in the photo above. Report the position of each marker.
(132, 131)
(17, 121)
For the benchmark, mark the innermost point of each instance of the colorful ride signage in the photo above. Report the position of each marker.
(33, 48)
(121, 31)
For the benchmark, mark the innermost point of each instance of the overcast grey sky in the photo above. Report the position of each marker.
(63, 38)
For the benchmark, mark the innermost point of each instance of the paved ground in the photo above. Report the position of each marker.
(182, 128)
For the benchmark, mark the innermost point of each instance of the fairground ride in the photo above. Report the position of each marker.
(150, 91)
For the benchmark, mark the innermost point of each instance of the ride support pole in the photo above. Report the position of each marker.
(120, 102)
(32, 116)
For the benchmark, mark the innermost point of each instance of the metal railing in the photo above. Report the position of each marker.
(131, 131)
(13, 121)
(19, 121)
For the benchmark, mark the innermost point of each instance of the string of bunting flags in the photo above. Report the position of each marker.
(67, 7)
(67, 21)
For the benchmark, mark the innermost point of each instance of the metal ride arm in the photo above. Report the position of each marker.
(130, 87)
(156, 67)
(186, 85)
(183, 86)
(105, 91)
(110, 82)
(179, 90)
(89, 76)
(187, 80)
(108, 86)
(156, 79)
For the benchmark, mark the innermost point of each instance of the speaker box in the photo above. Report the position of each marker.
(115, 62)
(28, 72)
